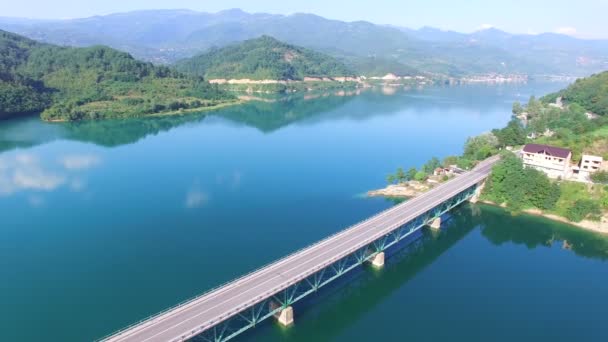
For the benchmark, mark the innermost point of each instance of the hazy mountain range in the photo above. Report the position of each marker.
(165, 36)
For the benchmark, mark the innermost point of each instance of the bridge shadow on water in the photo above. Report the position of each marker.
(366, 287)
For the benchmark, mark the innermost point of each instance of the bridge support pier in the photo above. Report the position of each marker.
(285, 317)
(436, 224)
(378, 260)
(475, 197)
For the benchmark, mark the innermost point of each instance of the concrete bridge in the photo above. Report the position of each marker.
(227, 311)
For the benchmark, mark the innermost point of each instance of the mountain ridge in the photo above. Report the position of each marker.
(165, 36)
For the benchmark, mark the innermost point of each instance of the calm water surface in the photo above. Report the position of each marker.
(104, 223)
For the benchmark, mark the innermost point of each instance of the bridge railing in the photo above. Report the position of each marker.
(300, 278)
(234, 281)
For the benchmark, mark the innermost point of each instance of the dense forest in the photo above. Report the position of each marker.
(18, 92)
(92, 83)
(263, 58)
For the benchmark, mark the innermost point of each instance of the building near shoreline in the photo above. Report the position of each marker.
(589, 164)
(554, 161)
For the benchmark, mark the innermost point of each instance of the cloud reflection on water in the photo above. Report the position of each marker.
(23, 172)
(79, 162)
(26, 172)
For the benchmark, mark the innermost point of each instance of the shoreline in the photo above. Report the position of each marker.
(593, 226)
(408, 192)
(402, 190)
(172, 113)
(198, 110)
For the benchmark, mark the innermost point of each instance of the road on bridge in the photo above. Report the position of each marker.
(190, 319)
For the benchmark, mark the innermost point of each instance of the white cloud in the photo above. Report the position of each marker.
(196, 197)
(78, 184)
(36, 201)
(484, 27)
(25, 172)
(26, 159)
(570, 31)
(36, 179)
(79, 162)
(532, 32)
(232, 180)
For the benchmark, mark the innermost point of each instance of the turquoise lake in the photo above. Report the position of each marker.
(105, 223)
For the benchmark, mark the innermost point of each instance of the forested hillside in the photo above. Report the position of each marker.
(591, 93)
(263, 58)
(91, 83)
(18, 92)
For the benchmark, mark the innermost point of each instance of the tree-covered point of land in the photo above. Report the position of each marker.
(263, 58)
(520, 188)
(91, 83)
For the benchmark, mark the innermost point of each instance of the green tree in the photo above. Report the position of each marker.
(400, 175)
(464, 163)
(581, 209)
(513, 134)
(481, 146)
(390, 179)
(604, 199)
(517, 108)
(534, 107)
(600, 177)
(420, 176)
(518, 187)
(431, 165)
(411, 173)
(450, 160)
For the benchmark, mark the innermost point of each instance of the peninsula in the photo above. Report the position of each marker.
(68, 84)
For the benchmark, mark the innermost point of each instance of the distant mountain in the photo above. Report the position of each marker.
(165, 36)
(263, 58)
(91, 83)
(560, 54)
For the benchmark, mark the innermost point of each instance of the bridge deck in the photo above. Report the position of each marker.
(188, 320)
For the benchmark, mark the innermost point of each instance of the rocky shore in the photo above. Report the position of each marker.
(403, 190)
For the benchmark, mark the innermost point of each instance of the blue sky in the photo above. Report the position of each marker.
(581, 18)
